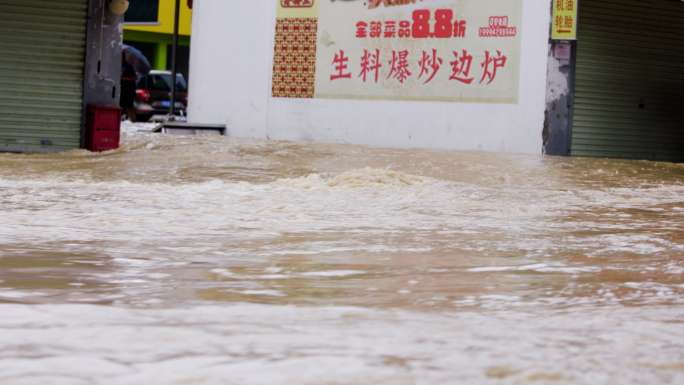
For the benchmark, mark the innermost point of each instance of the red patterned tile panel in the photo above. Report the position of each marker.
(294, 61)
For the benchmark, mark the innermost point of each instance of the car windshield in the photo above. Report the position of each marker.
(162, 82)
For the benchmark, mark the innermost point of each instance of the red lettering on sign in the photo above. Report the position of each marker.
(405, 28)
(361, 29)
(461, 67)
(459, 28)
(297, 3)
(443, 27)
(498, 27)
(428, 63)
(559, 21)
(341, 62)
(375, 28)
(421, 23)
(390, 29)
(399, 65)
(370, 63)
(496, 63)
(560, 5)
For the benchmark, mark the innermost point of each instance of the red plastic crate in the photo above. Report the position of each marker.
(103, 127)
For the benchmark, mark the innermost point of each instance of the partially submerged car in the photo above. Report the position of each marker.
(153, 95)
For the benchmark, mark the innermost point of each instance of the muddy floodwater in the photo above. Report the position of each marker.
(219, 260)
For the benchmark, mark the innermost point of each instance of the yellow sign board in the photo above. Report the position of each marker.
(564, 23)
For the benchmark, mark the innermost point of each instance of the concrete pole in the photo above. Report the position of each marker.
(173, 59)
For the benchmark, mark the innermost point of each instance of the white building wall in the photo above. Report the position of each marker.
(231, 68)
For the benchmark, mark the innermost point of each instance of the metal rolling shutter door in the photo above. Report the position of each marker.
(629, 87)
(42, 58)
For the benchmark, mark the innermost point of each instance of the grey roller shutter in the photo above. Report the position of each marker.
(629, 85)
(42, 57)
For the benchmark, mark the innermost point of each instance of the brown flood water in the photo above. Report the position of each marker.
(216, 260)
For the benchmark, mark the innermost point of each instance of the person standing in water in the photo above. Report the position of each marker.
(128, 78)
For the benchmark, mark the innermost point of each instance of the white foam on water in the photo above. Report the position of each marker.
(332, 273)
(262, 292)
(261, 344)
(382, 266)
(16, 294)
(540, 267)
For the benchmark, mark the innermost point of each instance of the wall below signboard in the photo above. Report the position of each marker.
(232, 64)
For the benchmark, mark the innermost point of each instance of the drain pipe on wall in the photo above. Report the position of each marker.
(174, 60)
(117, 7)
